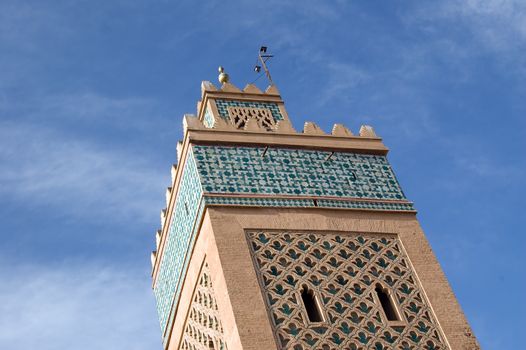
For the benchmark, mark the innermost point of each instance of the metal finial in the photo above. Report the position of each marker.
(223, 77)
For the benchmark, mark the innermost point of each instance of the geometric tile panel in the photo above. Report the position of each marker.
(178, 240)
(222, 107)
(208, 119)
(343, 270)
(281, 171)
(189, 246)
(203, 329)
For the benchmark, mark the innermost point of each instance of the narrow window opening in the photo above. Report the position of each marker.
(387, 304)
(186, 208)
(311, 305)
(315, 201)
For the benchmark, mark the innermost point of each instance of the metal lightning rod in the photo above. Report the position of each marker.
(263, 57)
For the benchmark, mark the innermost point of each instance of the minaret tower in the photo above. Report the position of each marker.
(278, 239)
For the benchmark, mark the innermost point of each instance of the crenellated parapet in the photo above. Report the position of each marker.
(229, 108)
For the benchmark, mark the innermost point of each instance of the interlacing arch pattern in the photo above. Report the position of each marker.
(343, 270)
(239, 116)
(203, 329)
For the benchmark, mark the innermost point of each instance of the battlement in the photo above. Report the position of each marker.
(251, 116)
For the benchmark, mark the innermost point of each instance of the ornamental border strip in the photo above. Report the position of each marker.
(307, 203)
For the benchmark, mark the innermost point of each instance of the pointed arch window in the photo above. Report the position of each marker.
(312, 305)
(387, 303)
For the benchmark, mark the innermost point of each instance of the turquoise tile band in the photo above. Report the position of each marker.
(183, 219)
(208, 119)
(280, 171)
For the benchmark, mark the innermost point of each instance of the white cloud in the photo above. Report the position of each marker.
(496, 25)
(124, 113)
(79, 307)
(24, 26)
(41, 166)
(493, 19)
(88, 109)
(342, 78)
(311, 9)
(482, 165)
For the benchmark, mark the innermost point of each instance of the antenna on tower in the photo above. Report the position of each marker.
(263, 57)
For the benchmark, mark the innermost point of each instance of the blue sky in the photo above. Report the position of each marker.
(91, 99)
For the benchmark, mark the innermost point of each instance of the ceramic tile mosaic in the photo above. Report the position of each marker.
(279, 171)
(222, 107)
(344, 271)
(208, 119)
(178, 240)
(189, 246)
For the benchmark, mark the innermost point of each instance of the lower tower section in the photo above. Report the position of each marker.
(327, 290)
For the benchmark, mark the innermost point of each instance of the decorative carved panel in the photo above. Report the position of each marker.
(203, 329)
(239, 116)
(343, 270)
(223, 105)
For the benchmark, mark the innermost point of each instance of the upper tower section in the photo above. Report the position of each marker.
(236, 115)
(250, 109)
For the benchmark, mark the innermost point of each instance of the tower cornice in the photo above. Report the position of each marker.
(355, 144)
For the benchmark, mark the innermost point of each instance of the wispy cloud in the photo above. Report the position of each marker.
(92, 108)
(45, 167)
(498, 23)
(484, 166)
(75, 306)
(25, 26)
(342, 77)
(497, 27)
(473, 28)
